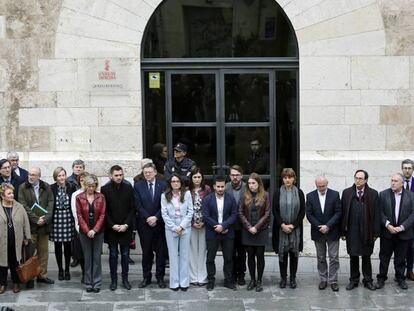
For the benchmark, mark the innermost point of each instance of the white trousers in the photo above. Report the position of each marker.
(198, 256)
(179, 253)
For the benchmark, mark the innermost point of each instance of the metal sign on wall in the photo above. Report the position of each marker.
(107, 74)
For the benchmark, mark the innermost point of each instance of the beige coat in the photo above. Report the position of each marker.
(21, 230)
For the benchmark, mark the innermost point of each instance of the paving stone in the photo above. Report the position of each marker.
(49, 296)
(145, 306)
(167, 294)
(212, 305)
(118, 295)
(81, 306)
(25, 307)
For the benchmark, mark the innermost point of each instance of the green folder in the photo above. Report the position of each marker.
(38, 210)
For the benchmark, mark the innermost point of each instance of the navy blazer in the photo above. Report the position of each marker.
(405, 218)
(331, 216)
(146, 207)
(210, 215)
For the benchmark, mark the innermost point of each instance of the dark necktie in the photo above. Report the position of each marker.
(360, 195)
(151, 190)
(407, 184)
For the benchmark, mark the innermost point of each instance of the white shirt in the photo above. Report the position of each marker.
(322, 199)
(397, 196)
(17, 171)
(220, 206)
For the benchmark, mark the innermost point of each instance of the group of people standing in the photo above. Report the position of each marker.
(180, 217)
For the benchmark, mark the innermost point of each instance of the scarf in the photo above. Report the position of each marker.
(289, 212)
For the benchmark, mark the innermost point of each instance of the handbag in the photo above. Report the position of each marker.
(29, 269)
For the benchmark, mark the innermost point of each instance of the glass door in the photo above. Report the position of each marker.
(224, 117)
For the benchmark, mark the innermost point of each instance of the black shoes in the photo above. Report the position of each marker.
(131, 261)
(210, 286)
(45, 280)
(67, 275)
(402, 284)
(30, 284)
(175, 289)
(144, 283)
(161, 283)
(241, 281)
(259, 287)
(74, 263)
(230, 285)
(380, 284)
(323, 285)
(252, 284)
(335, 287)
(369, 285)
(282, 283)
(126, 284)
(292, 283)
(96, 290)
(114, 285)
(60, 275)
(352, 285)
(184, 289)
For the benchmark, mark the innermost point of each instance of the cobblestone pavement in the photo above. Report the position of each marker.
(70, 295)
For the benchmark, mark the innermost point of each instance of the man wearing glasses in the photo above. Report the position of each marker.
(236, 187)
(359, 227)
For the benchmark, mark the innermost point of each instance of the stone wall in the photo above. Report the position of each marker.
(356, 85)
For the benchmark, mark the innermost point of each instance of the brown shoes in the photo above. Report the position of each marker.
(2, 289)
(410, 276)
(16, 288)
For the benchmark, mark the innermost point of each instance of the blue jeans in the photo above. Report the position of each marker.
(113, 260)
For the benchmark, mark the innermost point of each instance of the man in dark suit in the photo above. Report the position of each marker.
(360, 227)
(407, 167)
(119, 219)
(150, 225)
(396, 222)
(323, 210)
(219, 214)
(13, 158)
(9, 176)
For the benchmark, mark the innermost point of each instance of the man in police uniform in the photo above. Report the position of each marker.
(180, 165)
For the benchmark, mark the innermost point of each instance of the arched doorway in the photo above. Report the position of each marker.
(222, 77)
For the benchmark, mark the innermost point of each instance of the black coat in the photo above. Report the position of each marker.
(331, 216)
(120, 210)
(277, 223)
(370, 198)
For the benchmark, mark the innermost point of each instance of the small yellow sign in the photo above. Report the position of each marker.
(154, 80)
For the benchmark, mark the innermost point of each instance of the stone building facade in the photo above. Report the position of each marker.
(356, 84)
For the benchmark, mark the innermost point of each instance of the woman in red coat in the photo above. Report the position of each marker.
(90, 209)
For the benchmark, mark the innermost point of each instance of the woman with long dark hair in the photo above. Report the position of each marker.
(177, 213)
(198, 249)
(254, 214)
(289, 211)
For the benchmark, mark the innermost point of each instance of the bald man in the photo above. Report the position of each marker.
(35, 190)
(323, 210)
(396, 222)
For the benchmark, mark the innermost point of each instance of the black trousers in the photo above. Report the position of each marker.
(239, 256)
(227, 249)
(12, 261)
(410, 255)
(366, 269)
(293, 267)
(113, 260)
(152, 241)
(387, 248)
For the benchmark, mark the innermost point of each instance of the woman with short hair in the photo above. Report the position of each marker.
(90, 209)
(63, 224)
(289, 211)
(14, 232)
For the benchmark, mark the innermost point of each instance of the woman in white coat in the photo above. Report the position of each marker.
(177, 213)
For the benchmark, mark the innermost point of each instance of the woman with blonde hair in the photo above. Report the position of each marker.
(254, 214)
(90, 209)
(14, 232)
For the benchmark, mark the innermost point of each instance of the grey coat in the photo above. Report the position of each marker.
(21, 231)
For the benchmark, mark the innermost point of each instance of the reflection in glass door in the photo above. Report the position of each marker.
(224, 117)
